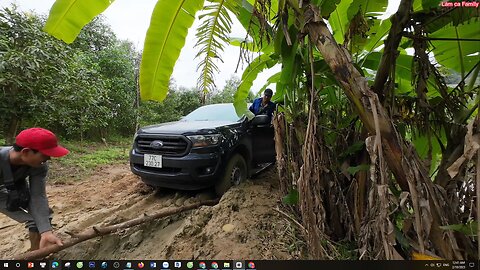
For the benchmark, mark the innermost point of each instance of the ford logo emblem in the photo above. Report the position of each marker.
(156, 144)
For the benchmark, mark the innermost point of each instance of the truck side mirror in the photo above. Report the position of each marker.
(261, 119)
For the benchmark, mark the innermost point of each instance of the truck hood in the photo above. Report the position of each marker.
(185, 127)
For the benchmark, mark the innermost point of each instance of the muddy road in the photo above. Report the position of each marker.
(244, 225)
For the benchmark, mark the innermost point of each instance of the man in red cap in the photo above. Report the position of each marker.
(23, 172)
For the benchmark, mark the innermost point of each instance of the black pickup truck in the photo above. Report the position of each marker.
(211, 146)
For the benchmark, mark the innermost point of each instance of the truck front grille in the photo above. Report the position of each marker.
(168, 145)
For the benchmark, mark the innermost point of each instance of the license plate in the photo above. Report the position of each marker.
(152, 161)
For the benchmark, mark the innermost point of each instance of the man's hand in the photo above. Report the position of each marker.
(48, 239)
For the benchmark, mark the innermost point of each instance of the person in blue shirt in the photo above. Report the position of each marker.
(263, 105)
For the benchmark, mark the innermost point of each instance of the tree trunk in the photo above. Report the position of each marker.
(314, 216)
(399, 21)
(281, 158)
(12, 130)
(402, 160)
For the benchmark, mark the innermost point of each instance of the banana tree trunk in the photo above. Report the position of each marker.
(401, 157)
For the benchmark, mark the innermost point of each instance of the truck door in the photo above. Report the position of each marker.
(263, 143)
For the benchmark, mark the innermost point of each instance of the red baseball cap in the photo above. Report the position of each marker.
(42, 140)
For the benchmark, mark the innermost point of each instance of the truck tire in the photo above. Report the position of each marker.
(235, 172)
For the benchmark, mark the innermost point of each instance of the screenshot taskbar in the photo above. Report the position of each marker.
(234, 265)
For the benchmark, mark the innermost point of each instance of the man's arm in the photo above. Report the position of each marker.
(39, 209)
(38, 205)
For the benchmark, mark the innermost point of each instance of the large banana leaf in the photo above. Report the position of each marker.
(375, 39)
(290, 63)
(403, 73)
(459, 55)
(249, 75)
(432, 21)
(165, 38)
(420, 141)
(68, 17)
(338, 21)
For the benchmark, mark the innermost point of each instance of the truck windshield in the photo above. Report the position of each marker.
(214, 112)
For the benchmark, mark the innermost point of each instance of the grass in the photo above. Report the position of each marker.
(86, 157)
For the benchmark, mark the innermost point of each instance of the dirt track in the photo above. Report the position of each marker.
(242, 226)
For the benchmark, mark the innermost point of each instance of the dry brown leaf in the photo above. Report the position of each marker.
(426, 216)
(472, 144)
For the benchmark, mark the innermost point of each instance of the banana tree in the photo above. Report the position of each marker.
(366, 131)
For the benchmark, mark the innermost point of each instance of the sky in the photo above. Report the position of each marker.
(130, 19)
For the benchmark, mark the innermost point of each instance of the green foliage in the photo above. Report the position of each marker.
(403, 75)
(290, 64)
(352, 150)
(378, 34)
(86, 89)
(291, 198)
(469, 229)
(30, 64)
(342, 18)
(447, 53)
(165, 38)
(355, 169)
(429, 147)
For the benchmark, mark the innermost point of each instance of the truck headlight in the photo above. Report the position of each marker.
(205, 140)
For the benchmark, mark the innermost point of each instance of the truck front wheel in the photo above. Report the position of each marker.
(235, 172)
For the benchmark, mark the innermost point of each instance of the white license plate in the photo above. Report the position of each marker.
(152, 161)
